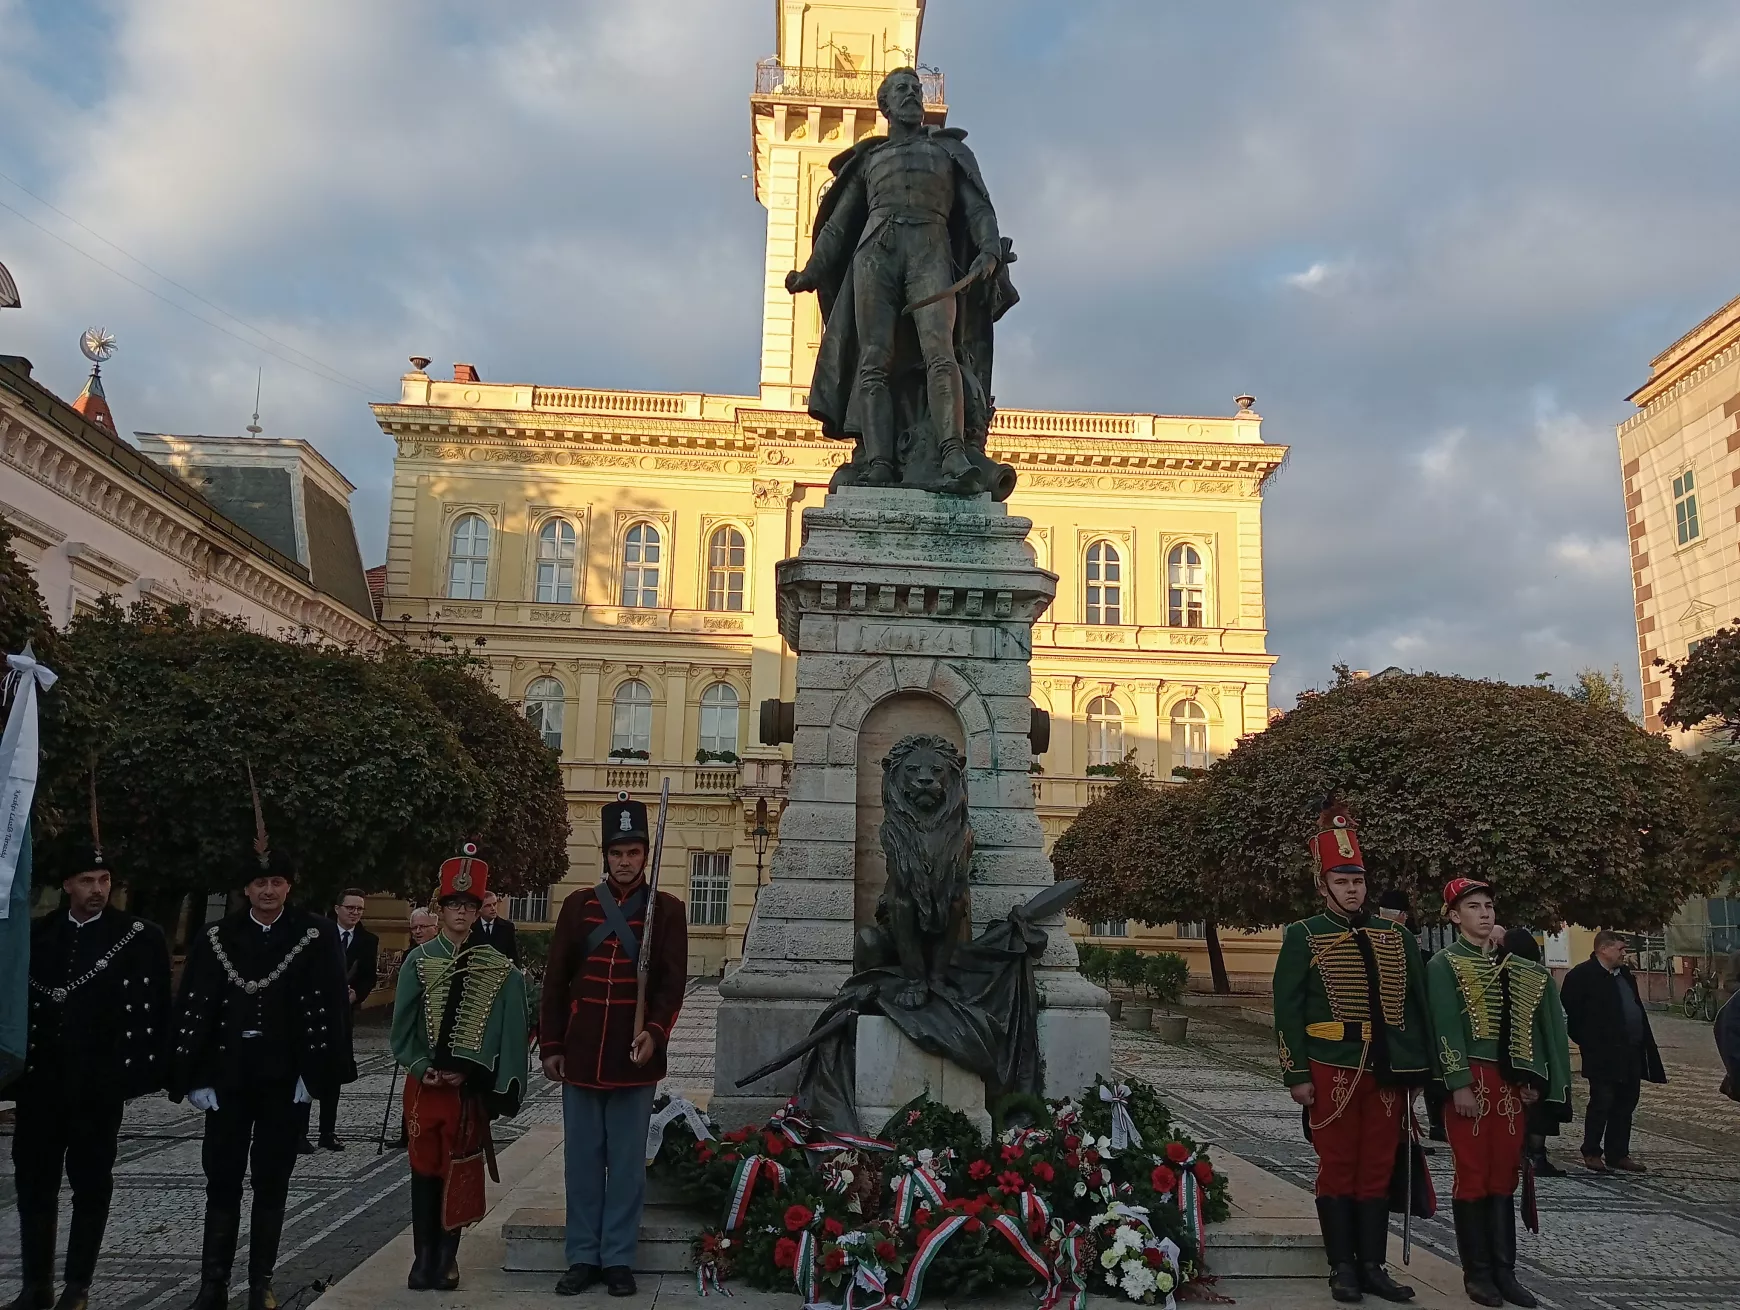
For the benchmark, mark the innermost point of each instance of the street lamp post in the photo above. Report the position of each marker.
(761, 834)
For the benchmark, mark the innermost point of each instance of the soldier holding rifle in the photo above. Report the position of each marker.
(612, 989)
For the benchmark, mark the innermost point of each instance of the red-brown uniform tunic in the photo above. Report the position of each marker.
(587, 1014)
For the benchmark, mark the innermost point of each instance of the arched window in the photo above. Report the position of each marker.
(719, 718)
(1105, 731)
(1189, 735)
(1184, 587)
(544, 711)
(726, 558)
(631, 718)
(641, 558)
(556, 563)
(468, 558)
(1105, 584)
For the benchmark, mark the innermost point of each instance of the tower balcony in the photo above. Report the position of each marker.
(845, 86)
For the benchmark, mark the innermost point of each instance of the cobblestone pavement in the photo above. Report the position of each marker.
(1667, 1240)
(343, 1206)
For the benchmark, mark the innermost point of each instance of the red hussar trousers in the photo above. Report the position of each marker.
(1355, 1125)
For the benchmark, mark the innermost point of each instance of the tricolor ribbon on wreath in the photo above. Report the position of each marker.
(1190, 1206)
(792, 1124)
(1034, 1210)
(804, 1269)
(920, 1180)
(1124, 1132)
(679, 1108)
(1066, 1285)
(743, 1182)
(1016, 1233)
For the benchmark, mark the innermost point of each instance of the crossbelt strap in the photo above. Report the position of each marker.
(616, 921)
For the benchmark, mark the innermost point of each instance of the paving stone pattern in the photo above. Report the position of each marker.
(343, 1206)
(1666, 1239)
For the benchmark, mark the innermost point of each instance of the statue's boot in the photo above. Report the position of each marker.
(877, 407)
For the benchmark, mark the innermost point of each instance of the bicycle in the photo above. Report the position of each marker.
(1701, 997)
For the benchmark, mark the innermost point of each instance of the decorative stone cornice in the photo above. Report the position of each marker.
(77, 475)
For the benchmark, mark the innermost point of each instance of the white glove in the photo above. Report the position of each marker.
(301, 1097)
(203, 1098)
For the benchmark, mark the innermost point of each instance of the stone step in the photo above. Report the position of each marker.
(535, 1236)
(1266, 1248)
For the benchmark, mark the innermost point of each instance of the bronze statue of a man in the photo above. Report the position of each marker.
(911, 273)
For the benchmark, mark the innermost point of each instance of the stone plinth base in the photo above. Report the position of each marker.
(892, 1070)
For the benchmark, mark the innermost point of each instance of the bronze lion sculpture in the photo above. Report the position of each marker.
(928, 844)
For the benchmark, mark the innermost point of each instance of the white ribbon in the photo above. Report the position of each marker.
(19, 757)
(1123, 1127)
(678, 1108)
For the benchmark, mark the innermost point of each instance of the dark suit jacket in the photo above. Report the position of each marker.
(360, 962)
(1597, 1024)
(501, 936)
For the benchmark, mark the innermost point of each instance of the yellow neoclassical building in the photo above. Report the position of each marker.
(617, 548)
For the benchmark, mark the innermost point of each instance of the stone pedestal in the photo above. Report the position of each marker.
(892, 1070)
(909, 612)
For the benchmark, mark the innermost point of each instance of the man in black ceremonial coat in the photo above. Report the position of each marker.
(99, 1029)
(262, 1028)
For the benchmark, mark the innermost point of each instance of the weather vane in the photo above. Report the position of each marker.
(97, 345)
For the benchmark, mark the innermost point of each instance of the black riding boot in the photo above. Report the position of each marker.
(83, 1243)
(1504, 1252)
(36, 1228)
(1374, 1245)
(1474, 1245)
(217, 1254)
(264, 1232)
(1335, 1215)
(425, 1232)
(449, 1265)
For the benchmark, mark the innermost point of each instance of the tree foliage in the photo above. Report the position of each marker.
(1571, 810)
(1707, 686)
(525, 840)
(361, 778)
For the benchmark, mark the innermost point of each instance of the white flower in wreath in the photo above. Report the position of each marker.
(724, 1242)
(1112, 1280)
(926, 1155)
(1162, 1280)
(1081, 1189)
(1127, 1236)
(1102, 1144)
(1109, 1257)
(1138, 1280)
(1105, 1178)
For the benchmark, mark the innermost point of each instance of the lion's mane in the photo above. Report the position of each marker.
(928, 854)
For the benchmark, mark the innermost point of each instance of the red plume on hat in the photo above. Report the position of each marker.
(1336, 841)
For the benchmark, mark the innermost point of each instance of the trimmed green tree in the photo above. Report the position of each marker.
(1572, 811)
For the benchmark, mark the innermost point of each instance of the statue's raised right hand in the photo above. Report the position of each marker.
(795, 281)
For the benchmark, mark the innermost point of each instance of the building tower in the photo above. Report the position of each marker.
(814, 98)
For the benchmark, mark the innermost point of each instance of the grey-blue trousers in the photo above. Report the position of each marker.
(604, 1166)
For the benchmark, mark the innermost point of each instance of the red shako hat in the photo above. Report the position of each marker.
(1457, 888)
(1336, 842)
(464, 875)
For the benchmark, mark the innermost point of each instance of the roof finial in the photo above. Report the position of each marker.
(254, 427)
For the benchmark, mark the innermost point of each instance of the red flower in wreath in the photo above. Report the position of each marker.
(921, 1216)
(785, 1254)
(979, 1169)
(974, 1226)
(1043, 1171)
(775, 1143)
(1010, 1181)
(1072, 1143)
(738, 1134)
(1204, 1172)
(886, 1250)
(835, 1259)
(1072, 1159)
(1153, 1257)
(730, 1157)
(1162, 1179)
(832, 1228)
(1092, 1156)
(703, 1152)
(797, 1218)
(1177, 1152)
(1012, 1153)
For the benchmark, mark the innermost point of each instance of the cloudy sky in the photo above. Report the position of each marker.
(1439, 242)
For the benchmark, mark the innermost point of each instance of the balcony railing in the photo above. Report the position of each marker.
(773, 78)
